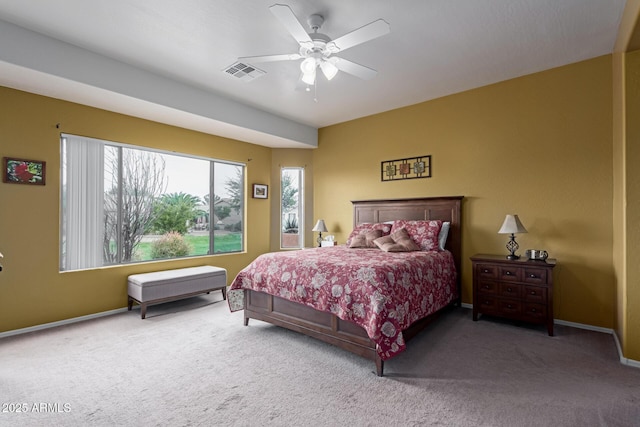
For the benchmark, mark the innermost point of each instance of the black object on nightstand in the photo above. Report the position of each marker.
(515, 289)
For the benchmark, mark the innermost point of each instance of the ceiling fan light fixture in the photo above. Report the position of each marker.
(309, 78)
(328, 69)
(308, 66)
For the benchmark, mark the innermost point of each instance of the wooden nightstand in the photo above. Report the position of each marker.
(514, 289)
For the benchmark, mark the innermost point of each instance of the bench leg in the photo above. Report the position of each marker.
(224, 293)
(143, 310)
(130, 303)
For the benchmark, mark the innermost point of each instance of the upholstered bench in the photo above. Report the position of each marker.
(170, 285)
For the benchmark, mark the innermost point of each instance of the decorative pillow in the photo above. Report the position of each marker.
(424, 233)
(444, 233)
(363, 228)
(365, 239)
(398, 241)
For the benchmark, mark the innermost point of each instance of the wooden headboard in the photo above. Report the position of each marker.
(442, 208)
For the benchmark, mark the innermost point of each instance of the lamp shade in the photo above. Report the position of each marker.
(308, 68)
(511, 225)
(320, 226)
(309, 78)
(328, 68)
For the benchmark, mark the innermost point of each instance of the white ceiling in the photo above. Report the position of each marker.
(164, 59)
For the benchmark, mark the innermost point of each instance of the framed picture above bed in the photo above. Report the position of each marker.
(409, 168)
(260, 191)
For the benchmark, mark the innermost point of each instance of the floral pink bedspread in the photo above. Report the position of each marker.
(384, 292)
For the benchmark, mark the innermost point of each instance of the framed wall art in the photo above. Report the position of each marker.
(260, 191)
(22, 171)
(409, 168)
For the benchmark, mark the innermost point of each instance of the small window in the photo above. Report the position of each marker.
(292, 218)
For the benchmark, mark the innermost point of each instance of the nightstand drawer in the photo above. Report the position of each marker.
(535, 312)
(510, 290)
(535, 275)
(488, 304)
(511, 274)
(509, 307)
(487, 287)
(486, 271)
(535, 294)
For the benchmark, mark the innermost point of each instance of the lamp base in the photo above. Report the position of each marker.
(513, 246)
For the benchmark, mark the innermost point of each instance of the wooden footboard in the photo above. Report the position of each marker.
(320, 325)
(317, 324)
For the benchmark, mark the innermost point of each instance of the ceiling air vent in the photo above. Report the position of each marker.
(244, 72)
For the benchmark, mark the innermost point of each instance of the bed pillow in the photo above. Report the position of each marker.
(365, 239)
(398, 241)
(424, 233)
(368, 226)
(442, 236)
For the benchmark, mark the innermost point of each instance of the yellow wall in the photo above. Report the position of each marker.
(626, 205)
(631, 156)
(539, 146)
(32, 291)
(619, 196)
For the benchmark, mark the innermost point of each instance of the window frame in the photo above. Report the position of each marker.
(119, 146)
(300, 208)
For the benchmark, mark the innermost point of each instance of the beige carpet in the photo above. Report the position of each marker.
(193, 363)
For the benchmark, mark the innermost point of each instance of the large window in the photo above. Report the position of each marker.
(123, 204)
(291, 208)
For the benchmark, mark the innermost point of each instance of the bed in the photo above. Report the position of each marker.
(364, 300)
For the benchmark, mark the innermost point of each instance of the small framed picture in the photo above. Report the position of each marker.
(260, 191)
(22, 171)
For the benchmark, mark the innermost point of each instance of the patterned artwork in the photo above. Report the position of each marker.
(409, 168)
(21, 171)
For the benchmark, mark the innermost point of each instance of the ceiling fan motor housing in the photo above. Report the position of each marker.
(315, 21)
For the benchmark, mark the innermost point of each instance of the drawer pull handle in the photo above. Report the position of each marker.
(533, 276)
(533, 310)
(509, 290)
(509, 306)
(485, 271)
(486, 286)
(533, 292)
(508, 273)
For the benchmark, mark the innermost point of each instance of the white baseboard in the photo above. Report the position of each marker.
(623, 360)
(583, 326)
(61, 322)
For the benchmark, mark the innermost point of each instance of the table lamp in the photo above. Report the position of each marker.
(512, 225)
(320, 227)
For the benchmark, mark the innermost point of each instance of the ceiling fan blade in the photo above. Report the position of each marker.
(270, 58)
(354, 69)
(288, 19)
(363, 34)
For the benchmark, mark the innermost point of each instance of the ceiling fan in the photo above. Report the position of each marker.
(317, 49)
